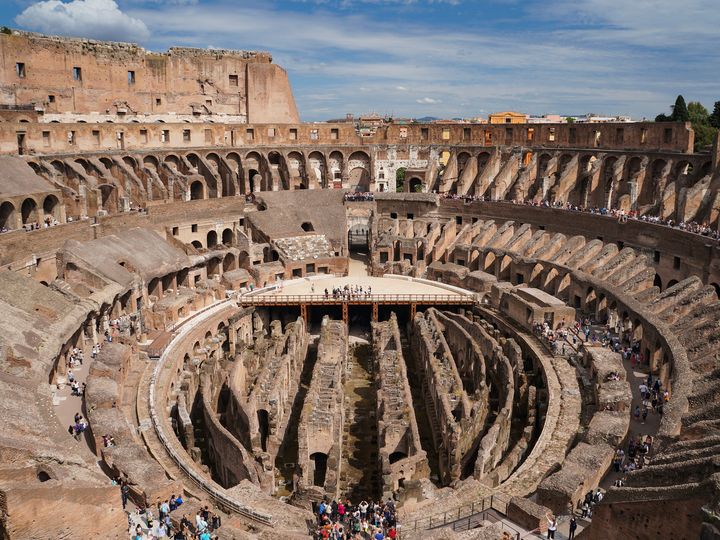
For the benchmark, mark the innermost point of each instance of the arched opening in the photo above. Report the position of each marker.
(154, 287)
(307, 226)
(415, 185)
(657, 281)
(28, 211)
(672, 282)
(211, 239)
(7, 215)
(359, 180)
(591, 301)
(228, 237)
(229, 262)
(197, 190)
(264, 429)
(255, 180)
(320, 468)
(197, 244)
(51, 207)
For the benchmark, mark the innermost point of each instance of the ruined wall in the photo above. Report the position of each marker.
(400, 451)
(320, 433)
(125, 80)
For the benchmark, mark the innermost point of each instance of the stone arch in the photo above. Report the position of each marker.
(591, 300)
(212, 238)
(536, 276)
(229, 262)
(316, 162)
(563, 163)
(563, 288)
(108, 197)
(415, 185)
(336, 163)
(193, 159)
(51, 207)
(228, 237)
(213, 159)
(151, 162)
(29, 211)
(7, 215)
(197, 244)
(197, 190)
(359, 171)
(172, 161)
(504, 268)
(672, 282)
(705, 169)
(543, 164)
(130, 162)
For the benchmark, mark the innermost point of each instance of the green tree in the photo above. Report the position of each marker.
(714, 118)
(399, 179)
(698, 113)
(570, 120)
(680, 111)
(663, 118)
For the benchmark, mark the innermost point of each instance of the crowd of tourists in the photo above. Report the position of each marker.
(156, 524)
(338, 520)
(689, 226)
(348, 292)
(359, 196)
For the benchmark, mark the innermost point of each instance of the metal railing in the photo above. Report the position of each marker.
(462, 515)
(285, 299)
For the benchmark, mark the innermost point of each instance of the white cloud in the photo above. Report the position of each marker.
(100, 19)
(427, 101)
(401, 88)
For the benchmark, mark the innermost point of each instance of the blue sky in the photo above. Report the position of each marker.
(445, 58)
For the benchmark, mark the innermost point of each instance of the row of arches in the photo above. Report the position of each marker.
(29, 211)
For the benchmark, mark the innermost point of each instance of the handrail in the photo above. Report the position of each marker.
(495, 502)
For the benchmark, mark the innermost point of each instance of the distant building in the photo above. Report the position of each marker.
(507, 117)
(546, 119)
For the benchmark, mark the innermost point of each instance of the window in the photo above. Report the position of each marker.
(77, 74)
(186, 135)
(165, 136)
(158, 101)
(250, 134)
(51, 99)
(667, 136)
(508, 135)
(309, 268)
(410, 216)
(598, 134)
(293, 134)
(193, 227)
(313, 134)
(508, 120)
(488, 137)
(403, 133)
(334, 134)
(233, 80)
(467, 134)
(131, 77)
(573, 135)
(176, 231)
(393, 215)
(445, 134)
(656, 256)
(271, 132)
(424, 134)
(676, 263)
(458, 220)
(20, 69)
(71, 137)
(96, 136)
(208, 102)
(46, 138)
(143, 136)
(208, 136)
(643, 135)
(619, 135)
(551, 135)
(531, 134)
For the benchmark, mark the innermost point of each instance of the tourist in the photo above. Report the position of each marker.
(573, 528)
(552, 525)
